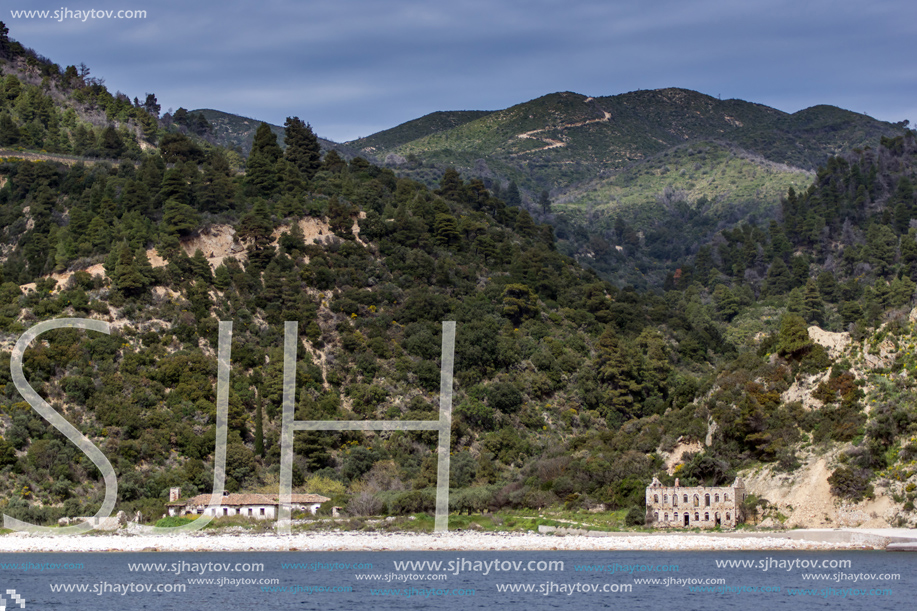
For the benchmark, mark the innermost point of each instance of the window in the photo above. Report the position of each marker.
(706, 516)
(727, 516)
(675, 517)
(686, 499)
(666, 518)
(656, 516)
(250, 511)
(716, 499)
(225, 511)
(696, 516)
(665, 498)
(655, 498)
(696, 501)
(706, 500)
(262, 511)
(675, 499)
(726, 497)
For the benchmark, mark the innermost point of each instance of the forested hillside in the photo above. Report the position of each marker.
(569, 391)
(673, 165)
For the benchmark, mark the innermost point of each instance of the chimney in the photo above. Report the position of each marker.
(174, 494)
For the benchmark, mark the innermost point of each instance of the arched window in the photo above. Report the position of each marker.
(727, 516)
(716, 499)
(655, 516)
(655, 498)
(726, 496)
(666, 518)
(675, 499)
(707, 500)
(696, 516)
(686, 499)
(665, 498)
(696, 501)
(675, 517)
(706, 516)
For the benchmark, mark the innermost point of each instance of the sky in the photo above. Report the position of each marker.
(355, 67)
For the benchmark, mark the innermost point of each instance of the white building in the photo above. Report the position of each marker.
(257, 506)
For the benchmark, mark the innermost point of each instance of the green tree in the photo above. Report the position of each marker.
(261, 168)
(793, 340)
(726, 301)
(778, 281)
(446, 229)
(303, 149)
(544, 202)
(332, 162)
(813, 309)
(9, 133)
(615, 367)
(519, 302)
(127, 278)
(4, 40)
(451, 186)
(179, 217)
(512, 196)
(110, 143)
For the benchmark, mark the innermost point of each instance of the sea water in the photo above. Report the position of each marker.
(534, 581)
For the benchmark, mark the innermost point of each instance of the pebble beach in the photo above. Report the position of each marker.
(457, 541)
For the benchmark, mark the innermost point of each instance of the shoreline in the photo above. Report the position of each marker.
(801, 540)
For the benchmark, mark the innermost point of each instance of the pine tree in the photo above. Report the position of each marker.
(779, 281)
(265, 144)
(110, 143)
(332, 162)
(303, 149)
(142, 263)
(9, 133)
(813, 309)
(221, 278)
(216, 191)
(127, 277)
(512, 196)
(451, 186)
(179, 217)
(261, 168)
(446, 229)
(544, 202)
(793, 339)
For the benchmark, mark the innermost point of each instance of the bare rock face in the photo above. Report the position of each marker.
(802, 390)
(834, 343)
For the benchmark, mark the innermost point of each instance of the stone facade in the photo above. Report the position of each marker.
(694, 507)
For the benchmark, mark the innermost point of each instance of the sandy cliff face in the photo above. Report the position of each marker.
(803, 499)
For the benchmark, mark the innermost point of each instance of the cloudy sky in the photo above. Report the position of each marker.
(354, 67)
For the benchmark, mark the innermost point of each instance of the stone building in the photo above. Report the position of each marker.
(694, 507)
